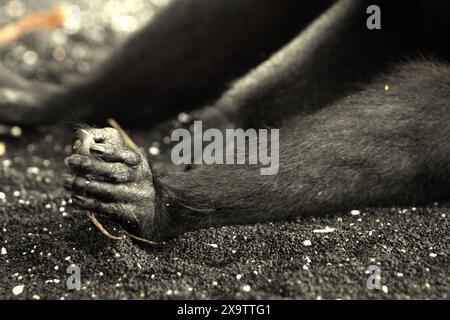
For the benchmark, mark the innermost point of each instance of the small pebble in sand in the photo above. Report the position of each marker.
(32, 170)
(18, 289)
(3, 251)
(67, 258)
(385, 289)
(2, 149)
(213, 245)
(399, 274)
(246, 288)
(59, 54)
(305, 267)
(239, 276)
(154, 151)
(307, 243)
(184, 117)
(36, 297)
(327, 229)
(30, 57)
(433, 255)
(355, 212)
(16, 131)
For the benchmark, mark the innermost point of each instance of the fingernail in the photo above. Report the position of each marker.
(98, 149)
(74, 160)
(76, 144)
(76, 198)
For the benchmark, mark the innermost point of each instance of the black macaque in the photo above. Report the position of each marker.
(364, 115)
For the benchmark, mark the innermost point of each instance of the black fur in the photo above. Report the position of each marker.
(372, 148)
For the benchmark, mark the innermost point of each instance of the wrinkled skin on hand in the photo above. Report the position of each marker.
(113, 180)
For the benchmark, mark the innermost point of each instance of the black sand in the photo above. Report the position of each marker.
(41, 234)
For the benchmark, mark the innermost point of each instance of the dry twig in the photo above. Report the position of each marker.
(46, 20)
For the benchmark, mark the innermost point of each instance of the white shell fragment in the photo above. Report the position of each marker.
(327, 229)
(18, 289)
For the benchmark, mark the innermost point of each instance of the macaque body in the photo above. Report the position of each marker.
(363, 117)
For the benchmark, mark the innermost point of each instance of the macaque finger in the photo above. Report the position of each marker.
(102, 190)
(116, 211)
(100, 170)
(106, 135)
(112, 153)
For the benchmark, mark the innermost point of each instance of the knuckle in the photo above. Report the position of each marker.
(85, 202)
(112, 132)
(141, 192)
(117, 208)
(131, 157)
(85, 162)
(82, 201)
(120, 175)
(110, 148)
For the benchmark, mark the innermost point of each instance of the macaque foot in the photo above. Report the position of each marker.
(24, 102)
(110, 178)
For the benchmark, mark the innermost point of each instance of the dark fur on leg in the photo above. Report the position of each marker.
(379, 146)
(375, 147)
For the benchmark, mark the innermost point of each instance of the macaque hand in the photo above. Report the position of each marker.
(110, 178)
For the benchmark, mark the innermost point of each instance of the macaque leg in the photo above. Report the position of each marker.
(184, 57)
(324, 62)
(385, 145)
(23, 101)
